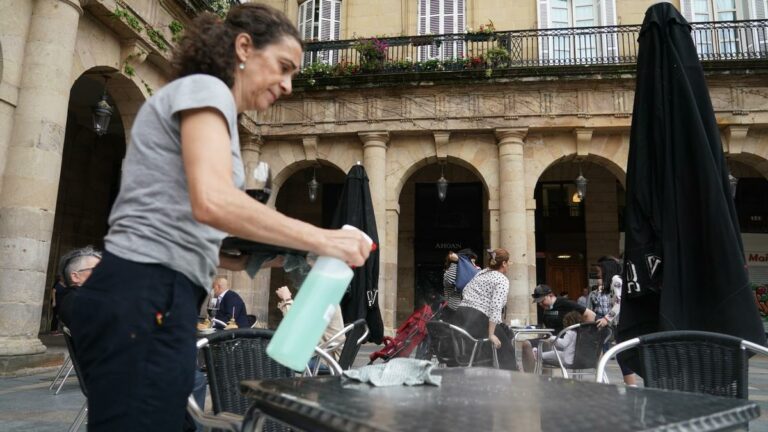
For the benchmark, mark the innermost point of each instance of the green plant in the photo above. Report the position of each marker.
(219, 7)
(497, 57)
(157, 38)
(147, 87)
(177, 29)
(128, 18)
(129, 70)
(372, 51)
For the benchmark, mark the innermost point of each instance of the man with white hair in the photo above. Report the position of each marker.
(229, 303)
(75, 268)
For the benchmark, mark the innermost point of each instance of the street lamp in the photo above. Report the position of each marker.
(733, 182)
(581, 185)
(442, 186)
(102, 112)
(313, 186)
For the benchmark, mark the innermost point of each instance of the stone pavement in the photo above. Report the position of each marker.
(26, 404)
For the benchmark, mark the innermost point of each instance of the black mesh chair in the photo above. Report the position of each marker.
(691, 361)
(83, 413)
(453, 346)
(232, 356)
(355, 334)
(355, 337)
(589, 346)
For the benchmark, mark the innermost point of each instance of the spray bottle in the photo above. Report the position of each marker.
(302, 327)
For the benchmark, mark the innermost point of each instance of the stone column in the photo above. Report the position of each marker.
(31, 178)
(513, 233)
(250, 151)
(375, 162)
(388, 298)
(530, 208)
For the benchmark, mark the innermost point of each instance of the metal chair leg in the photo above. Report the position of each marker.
(80, 418)
(61, 384)
(61, 370)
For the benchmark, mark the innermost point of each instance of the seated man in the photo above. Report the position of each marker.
(555, 308)
(75, 268)
(229, 304)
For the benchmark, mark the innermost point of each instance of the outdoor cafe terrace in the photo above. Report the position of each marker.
(725, 46)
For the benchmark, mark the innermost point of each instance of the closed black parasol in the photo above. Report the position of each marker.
(685, 267)
(356, 208)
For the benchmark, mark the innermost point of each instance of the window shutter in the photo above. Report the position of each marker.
(543, 16)
(422, 28)
(461, 25)
(449, 26)
(329, 27)
(433, 25)
(758, 40)
(306, 18)
(608, 18)
(686, 8)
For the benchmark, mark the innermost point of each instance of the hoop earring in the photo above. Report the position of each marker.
(242, 66)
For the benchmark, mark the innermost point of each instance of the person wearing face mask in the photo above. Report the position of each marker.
(181, 191)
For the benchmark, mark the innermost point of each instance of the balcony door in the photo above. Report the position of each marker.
(571, 33)
(438, 17)
(722, 36)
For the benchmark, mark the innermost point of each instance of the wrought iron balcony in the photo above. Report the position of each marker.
(516, 52)
(194, 7)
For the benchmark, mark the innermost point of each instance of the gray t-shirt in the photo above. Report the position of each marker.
(151, 220)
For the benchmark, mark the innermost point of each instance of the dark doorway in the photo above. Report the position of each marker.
(451, 225)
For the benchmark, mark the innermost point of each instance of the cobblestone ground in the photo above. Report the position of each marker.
(26, 404)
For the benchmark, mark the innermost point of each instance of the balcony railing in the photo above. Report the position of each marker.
(518, 49)
(195, 7)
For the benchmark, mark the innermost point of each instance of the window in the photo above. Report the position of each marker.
(576, 45)
(441, 17)
(722, 40)
(319, 20)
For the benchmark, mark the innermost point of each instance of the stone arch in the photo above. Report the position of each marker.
(609, 151)
(2, 59)
(279, 178)
(480, 158)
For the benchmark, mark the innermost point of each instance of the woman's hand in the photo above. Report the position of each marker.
(283, 293)
(349, 245)
(495, 341)
(602, 322)
(452, 257)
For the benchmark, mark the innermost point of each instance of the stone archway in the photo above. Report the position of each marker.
(428, 229)
(572, 233)
(89, 178)
(292, 199)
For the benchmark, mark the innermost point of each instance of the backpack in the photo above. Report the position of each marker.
(465, 271)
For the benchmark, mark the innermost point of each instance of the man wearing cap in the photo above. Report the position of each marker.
(555, 309)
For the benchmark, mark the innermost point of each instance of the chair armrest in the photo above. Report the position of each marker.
(612, 353)
(225, 420)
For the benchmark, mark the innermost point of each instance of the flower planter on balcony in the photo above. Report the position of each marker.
(478, 37)
(422, 40)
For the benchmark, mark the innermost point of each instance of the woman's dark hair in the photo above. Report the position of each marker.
(609, 267)
(497, 258)
(208, 44)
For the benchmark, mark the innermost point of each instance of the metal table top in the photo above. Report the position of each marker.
(480, 399)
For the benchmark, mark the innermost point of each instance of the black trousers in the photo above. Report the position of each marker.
(133, 326)
(476, 324)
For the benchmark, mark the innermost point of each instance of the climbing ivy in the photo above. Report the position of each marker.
(129, 18)
(177, 29)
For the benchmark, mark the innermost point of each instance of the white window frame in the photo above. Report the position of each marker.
(724, 41)
(438, 22)
(577, 48)
(320, 20)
